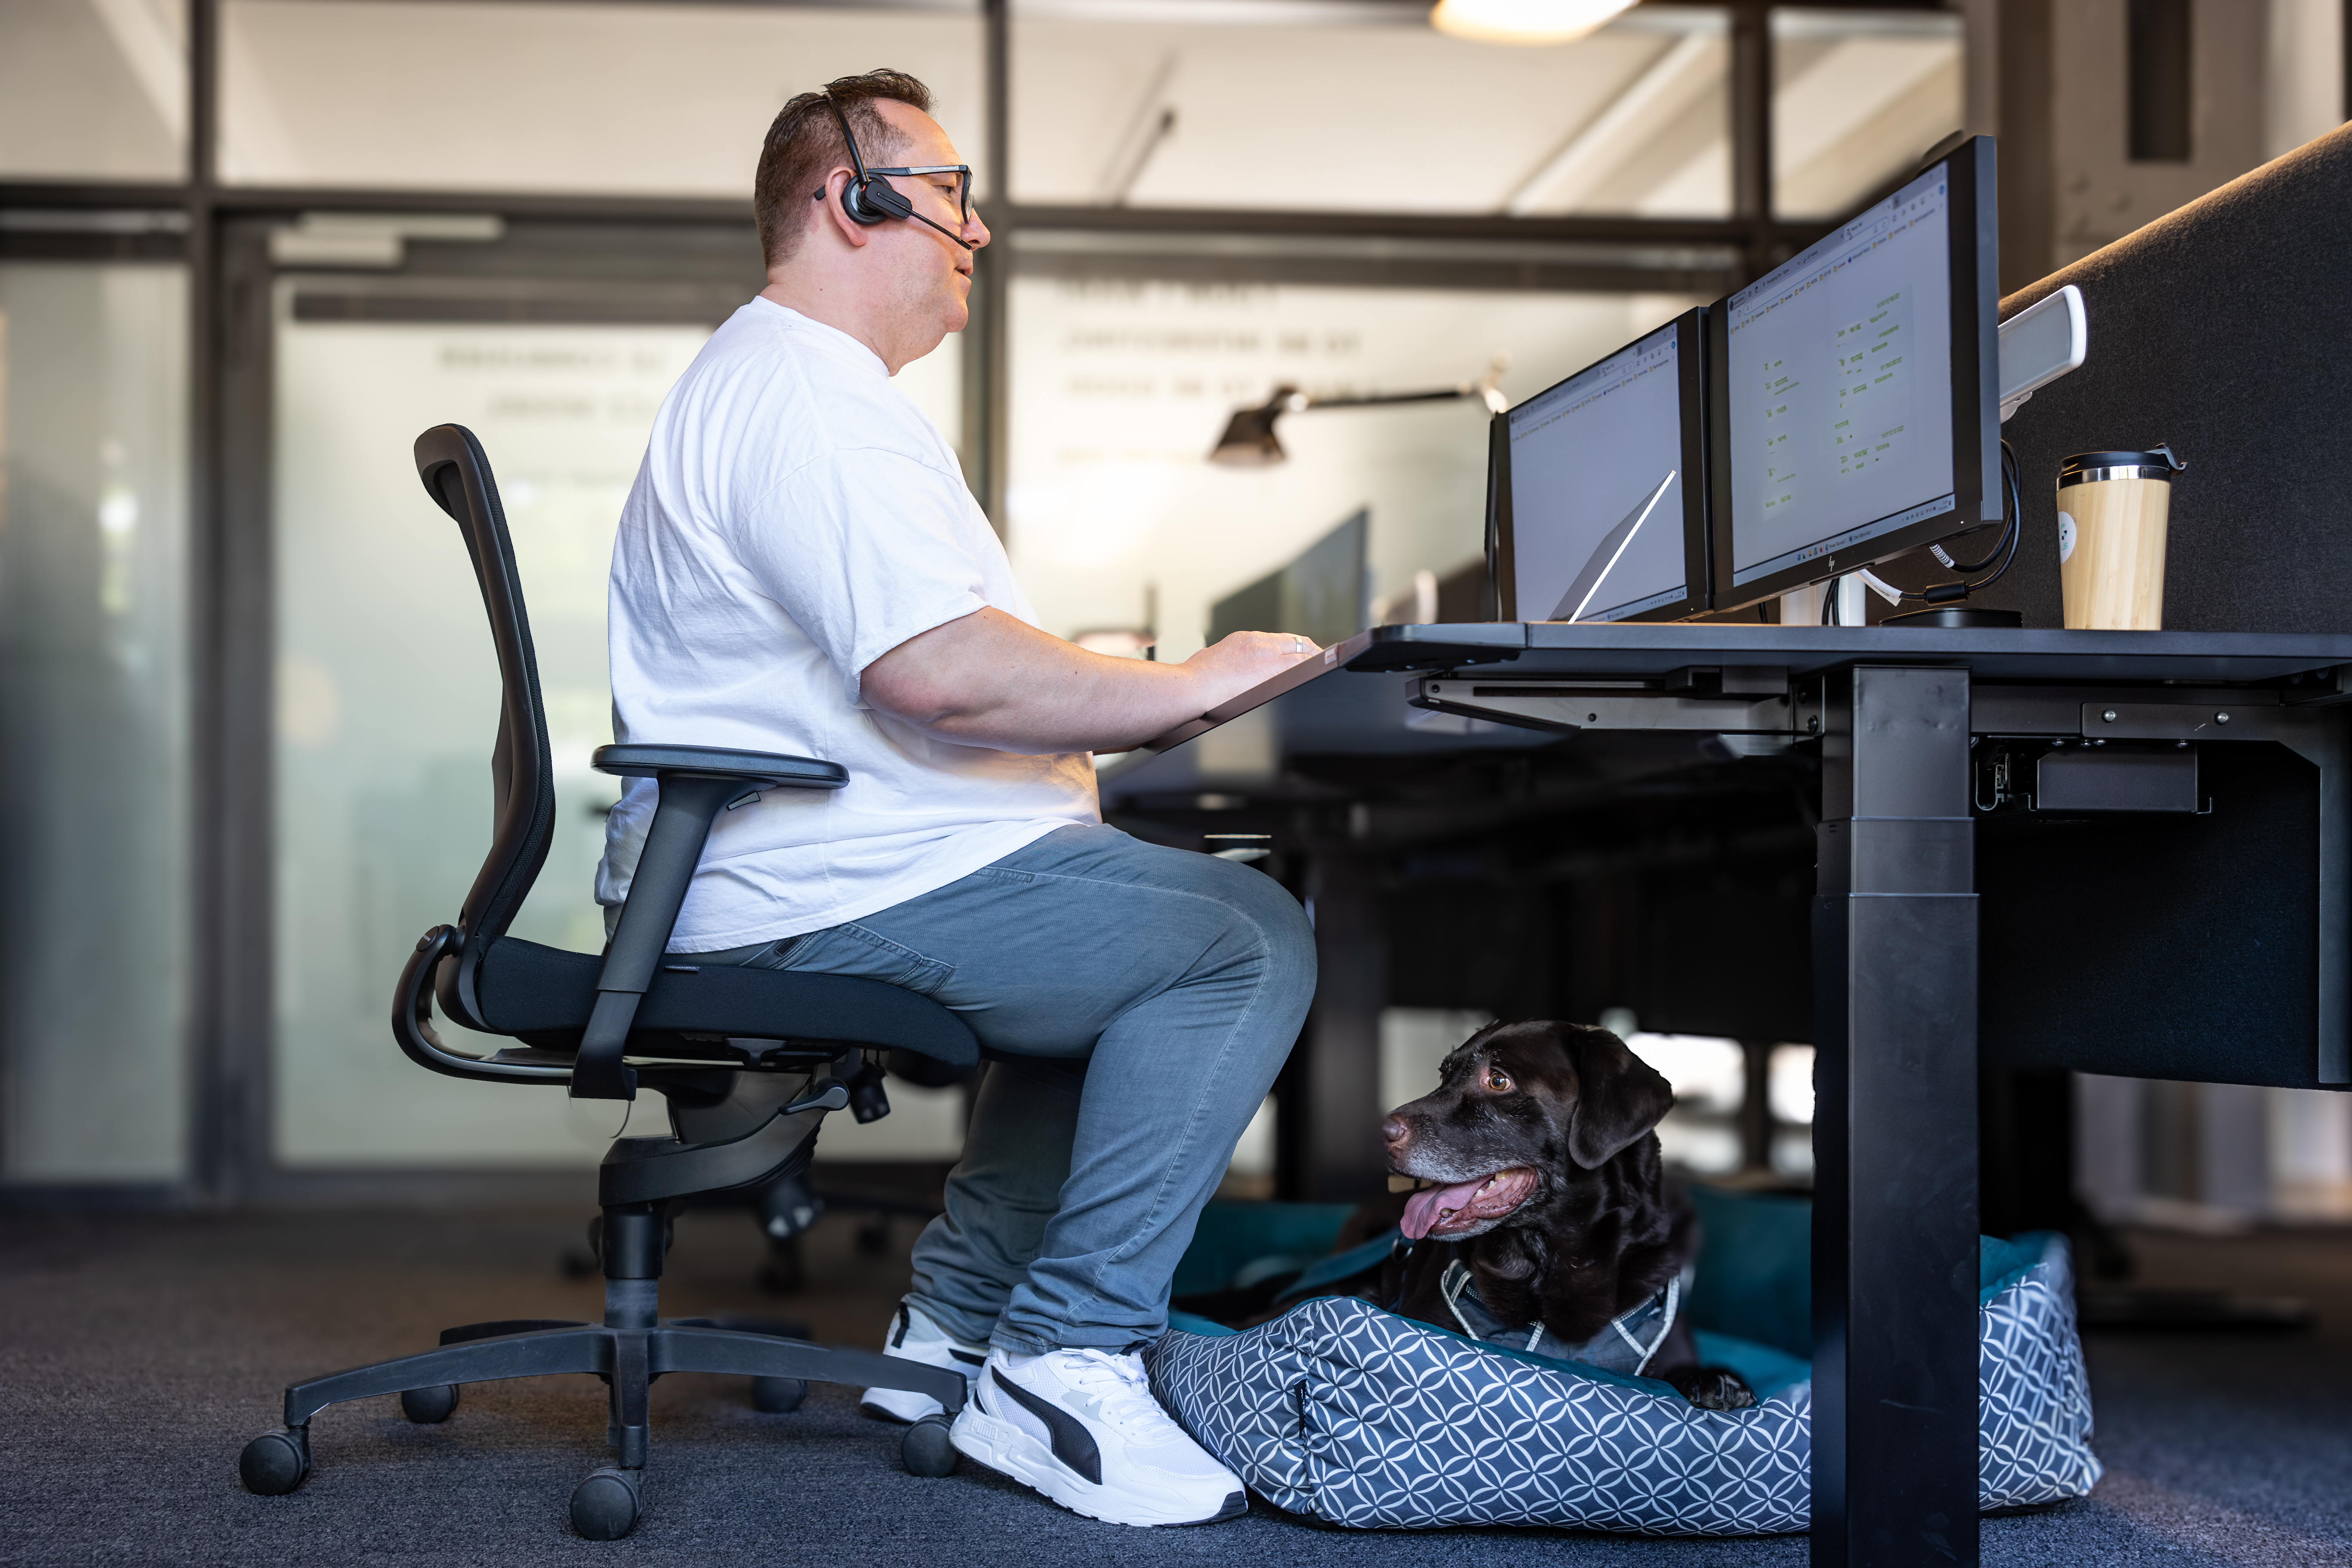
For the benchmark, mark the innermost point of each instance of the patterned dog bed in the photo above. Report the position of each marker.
(1361, 1417)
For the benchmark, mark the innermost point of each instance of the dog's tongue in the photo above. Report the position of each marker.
(1421, 1211)
(1479, 1199)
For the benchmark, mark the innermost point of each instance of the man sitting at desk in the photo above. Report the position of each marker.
(801, 569)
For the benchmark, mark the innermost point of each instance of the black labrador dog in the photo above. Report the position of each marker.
(1542, 1209)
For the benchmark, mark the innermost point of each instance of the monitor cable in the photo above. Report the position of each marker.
(2004, 550)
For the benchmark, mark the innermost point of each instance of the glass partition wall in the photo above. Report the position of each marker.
(247, 694)
(94, 798)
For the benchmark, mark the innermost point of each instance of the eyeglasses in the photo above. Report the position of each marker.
(963, 186)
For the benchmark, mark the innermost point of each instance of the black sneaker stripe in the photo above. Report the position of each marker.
(899, 1340)
(1073, 1444)
(968, 1358)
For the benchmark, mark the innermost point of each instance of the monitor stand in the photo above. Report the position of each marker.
(1954, 616)
(1810, 605)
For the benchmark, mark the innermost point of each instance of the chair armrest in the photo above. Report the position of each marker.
(769, 768)
(696, 783)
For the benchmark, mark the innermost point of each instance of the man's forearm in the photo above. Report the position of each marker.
(989, 679)
(1021, 697)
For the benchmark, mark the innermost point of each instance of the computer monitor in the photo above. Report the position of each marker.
(1597, 491)
(1856, 390)
(1325, 593)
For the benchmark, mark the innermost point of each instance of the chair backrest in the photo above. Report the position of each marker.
(457, 474)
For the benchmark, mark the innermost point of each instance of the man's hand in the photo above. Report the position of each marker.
(988, 679)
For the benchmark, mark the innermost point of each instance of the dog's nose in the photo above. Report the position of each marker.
(1393, 1130)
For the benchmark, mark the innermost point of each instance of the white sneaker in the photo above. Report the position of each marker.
(1081, 1426)
(915, 1337)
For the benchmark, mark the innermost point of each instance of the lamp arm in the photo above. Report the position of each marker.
(1445, 395)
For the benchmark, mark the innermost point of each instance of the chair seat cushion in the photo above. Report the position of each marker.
(530, 990)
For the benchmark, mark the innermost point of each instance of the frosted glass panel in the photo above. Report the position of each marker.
(1857, 97)
(94, 88)
(1120, 389)
(94, 897)
(388, 695)
(654, 100)
(1380, 115)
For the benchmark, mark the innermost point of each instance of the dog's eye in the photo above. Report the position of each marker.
(1499, 1080)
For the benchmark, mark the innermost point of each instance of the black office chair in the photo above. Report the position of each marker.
(750, 1061)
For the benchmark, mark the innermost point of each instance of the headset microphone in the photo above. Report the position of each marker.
(869, 199)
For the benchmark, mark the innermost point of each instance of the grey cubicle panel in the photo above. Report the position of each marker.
(2224, 328)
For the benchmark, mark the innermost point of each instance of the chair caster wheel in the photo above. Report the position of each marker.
(275, 1463)
(605, 1507)
(778, 1396)
(429, 1407)
(926, 1450)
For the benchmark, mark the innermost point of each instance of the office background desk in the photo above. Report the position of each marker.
(1796, 833)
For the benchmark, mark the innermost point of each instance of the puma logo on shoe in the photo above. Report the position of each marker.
(1073, 1444)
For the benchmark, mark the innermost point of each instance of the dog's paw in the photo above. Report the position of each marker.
(1715, 1388)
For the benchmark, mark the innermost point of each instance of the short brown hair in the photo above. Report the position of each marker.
(804, 144)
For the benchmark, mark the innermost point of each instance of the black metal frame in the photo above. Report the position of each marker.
(1894, 1123)
(223, 235)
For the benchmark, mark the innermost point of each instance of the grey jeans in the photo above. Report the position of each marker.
(1145, 997)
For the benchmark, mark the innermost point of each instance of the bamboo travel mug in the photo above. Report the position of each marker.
(2112, 513)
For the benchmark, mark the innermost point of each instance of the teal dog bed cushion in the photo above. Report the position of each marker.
(1358, 1416)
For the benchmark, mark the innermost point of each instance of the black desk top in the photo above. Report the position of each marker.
(1352, 701)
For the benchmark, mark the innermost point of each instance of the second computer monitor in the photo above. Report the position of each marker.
(1855, 390)
(1597, 491)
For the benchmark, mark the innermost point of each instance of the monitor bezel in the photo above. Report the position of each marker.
(1977, 499)
(1690, 387)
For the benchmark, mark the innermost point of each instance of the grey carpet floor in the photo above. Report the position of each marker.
(138, 1354)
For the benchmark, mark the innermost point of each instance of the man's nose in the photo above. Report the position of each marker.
(1394, 1131)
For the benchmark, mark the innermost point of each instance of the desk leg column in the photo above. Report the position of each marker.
(1894, 1133)
(1328, 1104)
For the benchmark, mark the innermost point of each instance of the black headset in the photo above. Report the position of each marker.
(868, 198)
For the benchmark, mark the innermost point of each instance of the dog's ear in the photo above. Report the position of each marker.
(1618, 1097)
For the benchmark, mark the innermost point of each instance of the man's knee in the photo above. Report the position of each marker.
(1266, 915)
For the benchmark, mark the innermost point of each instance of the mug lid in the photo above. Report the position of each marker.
(2160, 455)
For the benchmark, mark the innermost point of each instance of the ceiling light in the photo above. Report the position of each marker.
(1524, 21)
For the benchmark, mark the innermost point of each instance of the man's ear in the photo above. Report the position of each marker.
(837, 217)
(1618, 1097)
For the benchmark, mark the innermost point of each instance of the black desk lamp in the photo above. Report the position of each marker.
(1249, 441)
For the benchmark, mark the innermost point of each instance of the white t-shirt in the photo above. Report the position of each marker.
(796, 518)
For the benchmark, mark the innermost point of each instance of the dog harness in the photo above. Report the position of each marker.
(1625, 1345)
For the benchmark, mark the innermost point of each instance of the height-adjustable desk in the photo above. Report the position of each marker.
(2142, 836)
